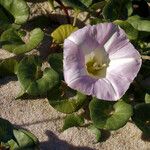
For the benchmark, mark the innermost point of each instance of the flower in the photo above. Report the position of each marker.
(100, 61)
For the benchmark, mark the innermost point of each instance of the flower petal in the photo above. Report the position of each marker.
(103, 89)
(83, 84)
(73, 62)
(124, 67)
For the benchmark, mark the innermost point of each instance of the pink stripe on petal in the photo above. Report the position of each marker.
(84, 84)
(103, 89)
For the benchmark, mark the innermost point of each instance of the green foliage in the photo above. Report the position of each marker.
(8, 67)
(109, 116)
(98, 5)
(147, 98)
(96, 132)
(65, 99)
(16, 139)
(12, 41)
(131, 32)
(5, 130)
(115, 9)
(56, 62)
(33, 80)
(139, 23)
(78, 4)
(141, 117)
(72, 121)
(62, 32)
(17, 8)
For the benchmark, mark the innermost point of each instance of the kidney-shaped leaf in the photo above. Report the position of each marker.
(141, 117)
(8, 67)
(33, 80)
(62, 32)
(12, 41)
(109, 116)
(18, 8)
(73, 121)
(65, 99)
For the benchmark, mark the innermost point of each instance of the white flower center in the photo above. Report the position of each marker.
(96, 63)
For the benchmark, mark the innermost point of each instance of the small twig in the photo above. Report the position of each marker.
(75, 17)
(145, 57)
(65, 10)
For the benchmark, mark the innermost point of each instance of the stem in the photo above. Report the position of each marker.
(75, 17)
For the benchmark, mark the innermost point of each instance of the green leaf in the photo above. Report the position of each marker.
(109, 116)
(72, 121)
(65, 99)
(62, 32)
(131, 32)
(115, 9)
(77, 4)
(56, 62)
(98, 5)
(147, 98)
(16, 138)
(5, 130)
(32, 136)
(96, 132)
(18, 8)
(87, 3)
(12, 41)
(141, 117)
(22, 140)
(139, 23)
(8, 67)
(33, 80)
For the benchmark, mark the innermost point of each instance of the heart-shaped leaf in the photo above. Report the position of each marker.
(12, 41)
(139, 23)
(17, 8)
(141, 117)
(56, 62)
(8, 67)
(109, 116)
(72, 121)
(65, 99)
(131, 32)
(33, 80)
(62, 32)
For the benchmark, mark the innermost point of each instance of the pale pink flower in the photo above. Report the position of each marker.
(100, 61)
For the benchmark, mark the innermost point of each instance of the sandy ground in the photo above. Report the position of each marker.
(45, 122)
